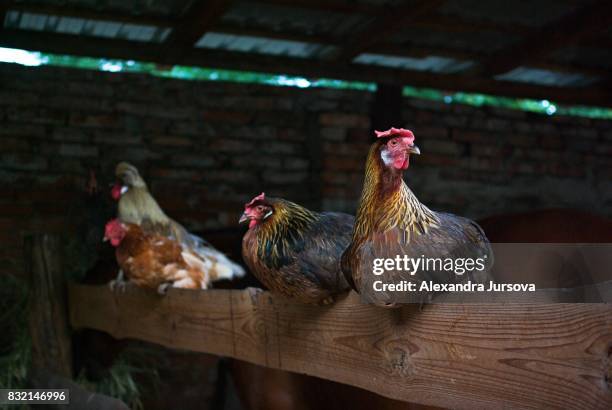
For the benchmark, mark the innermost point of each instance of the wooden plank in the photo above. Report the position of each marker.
(460, 356)
(585, 22)
(132, 50)
(196, 21)
(48, 311)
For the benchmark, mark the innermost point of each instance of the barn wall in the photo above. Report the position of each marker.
(207, 147)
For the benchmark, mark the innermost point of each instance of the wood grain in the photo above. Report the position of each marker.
(48, 312)
(459, 356)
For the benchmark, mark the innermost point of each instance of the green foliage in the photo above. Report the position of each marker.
(135, 368)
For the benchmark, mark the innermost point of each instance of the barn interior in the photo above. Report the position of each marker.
(217, 101)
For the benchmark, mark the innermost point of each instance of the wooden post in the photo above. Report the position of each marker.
(49, 327)
(51, 343)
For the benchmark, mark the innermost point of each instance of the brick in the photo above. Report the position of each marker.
(333, 133)
(172, 141)
(435, 160)
(37, 115)
(116, 138)
(551, 141)
(359, 150)
(430, 132)
(195, 161)
(23, 162)
(14, 144)
(94, 120)
(282, 148)
(285, 177)
(472, 136)
(346, 120)
(78, 150)
(22, 130)
(295, 164)
(231, 145)
(441, 147)
(228, 117)
(343, 164)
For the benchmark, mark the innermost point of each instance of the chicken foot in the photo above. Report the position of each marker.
(119, 283)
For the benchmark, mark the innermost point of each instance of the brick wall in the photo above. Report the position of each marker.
(205, 148)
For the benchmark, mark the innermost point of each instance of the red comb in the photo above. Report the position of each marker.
(392, 132)
(111, 226)
(260, 197)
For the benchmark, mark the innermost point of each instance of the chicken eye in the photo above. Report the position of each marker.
(393, 143)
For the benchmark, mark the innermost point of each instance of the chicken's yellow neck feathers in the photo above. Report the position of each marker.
(286, 216)
(137, 203)
(387, 202)
(284, 230)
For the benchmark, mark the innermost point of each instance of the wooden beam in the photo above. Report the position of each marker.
(570, 29)
(384, 27)
(334, 6)
(132, 50)
(195, 22)
(454, 356)
(90, 14)
(454, 24)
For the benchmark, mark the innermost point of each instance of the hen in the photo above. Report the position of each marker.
(295, 251)
(156, 261)
(137, 206)
(391, 222)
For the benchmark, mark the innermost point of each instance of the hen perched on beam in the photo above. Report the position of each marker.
(294, 251)
(391, 222)
(157, 262)
(137, 206)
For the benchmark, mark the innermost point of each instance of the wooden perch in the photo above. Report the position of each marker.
(459, 356)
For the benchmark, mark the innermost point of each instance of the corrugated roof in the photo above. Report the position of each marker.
(261, 45)
(79, 26)
(546, 77)
(434, 64)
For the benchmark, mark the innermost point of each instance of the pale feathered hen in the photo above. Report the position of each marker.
(137, 206)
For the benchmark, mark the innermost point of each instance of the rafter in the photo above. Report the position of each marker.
(123, 49)
(570, 29)
(384, 27)
(195, 22)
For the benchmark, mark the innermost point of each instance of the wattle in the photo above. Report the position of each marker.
(402, 163)
(116, 192)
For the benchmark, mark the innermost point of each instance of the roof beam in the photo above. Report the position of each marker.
(195, 22)
(384, 27)
(342, 6)
(133, 50)
(570, 29)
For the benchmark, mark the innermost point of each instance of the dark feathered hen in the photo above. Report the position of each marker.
(391, 222)
(294, 251)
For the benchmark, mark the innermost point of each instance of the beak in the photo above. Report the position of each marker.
(414, 150)
(243, 218)
(105, 239)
